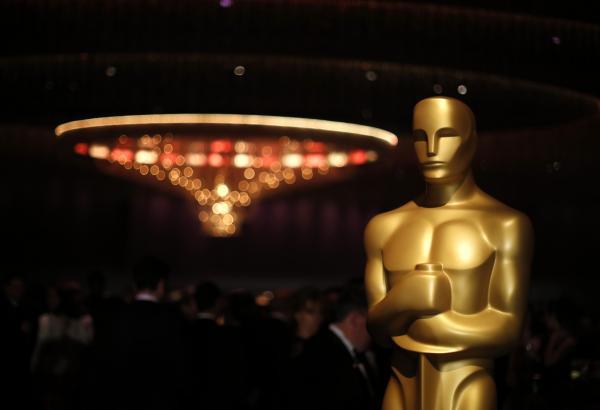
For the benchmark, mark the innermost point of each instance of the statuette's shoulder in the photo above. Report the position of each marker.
(381, 226)
(503, 214)
(511, 218)
(521, 225)
(514, 232)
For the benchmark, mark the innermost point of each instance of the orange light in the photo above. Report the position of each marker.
(371, 156)
(121, 155)
(315, 160)
(215, 160)
(196, 159)
(243, 185)
(168, 159)
(316, 147)
(241, 147)
(269, 161)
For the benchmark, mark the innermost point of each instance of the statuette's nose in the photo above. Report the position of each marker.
(432, 144)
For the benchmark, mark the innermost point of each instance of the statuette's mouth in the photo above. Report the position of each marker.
(433, 163)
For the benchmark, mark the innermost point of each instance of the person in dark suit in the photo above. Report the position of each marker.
(215, 376)
(334, 371)
(307, 314)
(145, 350)
(15, 341)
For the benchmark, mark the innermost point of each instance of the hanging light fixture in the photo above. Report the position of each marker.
(224, 162)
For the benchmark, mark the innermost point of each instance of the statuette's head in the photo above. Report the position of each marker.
(444, 137)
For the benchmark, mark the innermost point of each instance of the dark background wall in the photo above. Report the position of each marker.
(531, 77)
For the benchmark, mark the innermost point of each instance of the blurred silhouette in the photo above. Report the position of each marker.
(215, 373)
(307, 314)
(96, 301)
(334, 370)
(549, 370)
(62, 350)
(144, 350)
(266, 342)
(212, 349)
(188, 308)
(559, 352)
(15, 340)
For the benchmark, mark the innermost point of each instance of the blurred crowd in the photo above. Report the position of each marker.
(71, 346)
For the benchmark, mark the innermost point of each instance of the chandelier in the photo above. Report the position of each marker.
(225, 162)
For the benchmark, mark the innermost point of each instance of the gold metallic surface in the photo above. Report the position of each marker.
(231, 119)
(447, 273)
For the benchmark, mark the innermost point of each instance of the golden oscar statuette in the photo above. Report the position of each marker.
(447, 273)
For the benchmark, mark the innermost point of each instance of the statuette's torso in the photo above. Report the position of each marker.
(462, 240)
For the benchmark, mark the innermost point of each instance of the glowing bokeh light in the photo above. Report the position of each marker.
(99, 151)
(292, 160)
(242, 160)
(222, 190)
(146, 157)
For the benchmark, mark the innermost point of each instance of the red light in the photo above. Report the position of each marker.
(81, 148)
(168, 158)
(315, 147)
(358, 157)
(314, 160)
(215, 160)
(268, 161)
(221, 146)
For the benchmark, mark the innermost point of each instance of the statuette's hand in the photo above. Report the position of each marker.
(425, 291)
(421, 293)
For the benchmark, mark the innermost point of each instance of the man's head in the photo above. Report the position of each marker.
(150, 275)
(307, 310)
(96, 282)
(14, 287)
(351, 317)
(187, 306)
(207, 295)
(444, 137)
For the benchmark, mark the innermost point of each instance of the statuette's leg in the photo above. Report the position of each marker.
(476, 392)
(402, 390)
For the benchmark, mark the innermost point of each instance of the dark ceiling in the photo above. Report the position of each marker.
(529, 68)
(169, 57)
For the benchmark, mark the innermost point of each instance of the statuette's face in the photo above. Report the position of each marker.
(444, 138)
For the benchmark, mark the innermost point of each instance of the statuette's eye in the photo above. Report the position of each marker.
(447, 132)
(419, 135)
